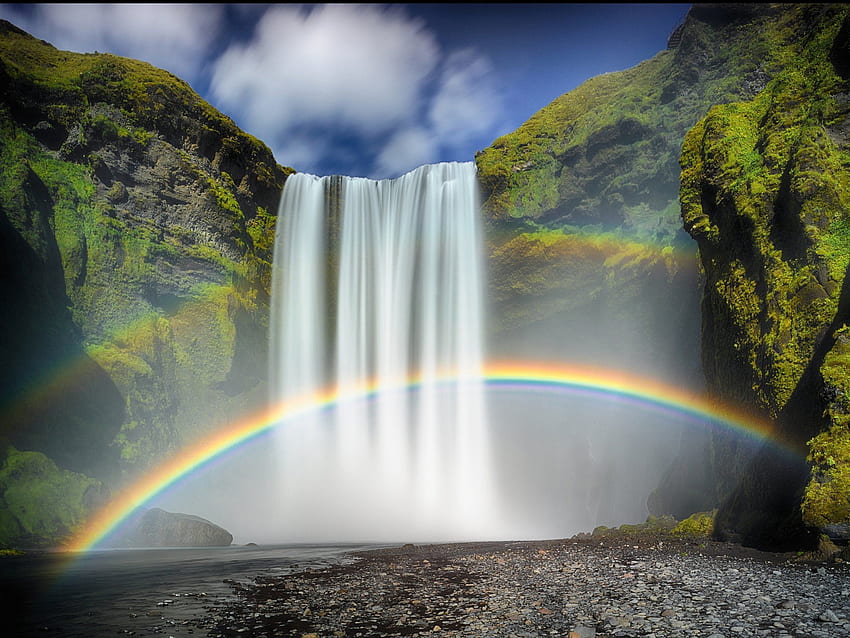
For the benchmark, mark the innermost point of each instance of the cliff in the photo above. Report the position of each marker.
(765, 190)
(585, 203)
(588, 188)
(136, 230)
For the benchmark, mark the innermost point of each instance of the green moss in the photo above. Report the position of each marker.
(156, 305)
(145, 94)
(696, 525)
(123, 365)
(764, 191)
(205, 335)
(540, 273)
(763, 185)
(106, 129)
(608, 149)
(223, 193)
(522, 171)
(827, 496)
(142, 363)
(40, 502)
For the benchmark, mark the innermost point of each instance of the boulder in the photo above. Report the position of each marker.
(158, 528)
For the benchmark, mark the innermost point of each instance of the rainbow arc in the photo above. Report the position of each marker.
(605, 384)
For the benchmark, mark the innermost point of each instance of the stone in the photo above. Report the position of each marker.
(828, 616)
(157, 528)
(837, 531)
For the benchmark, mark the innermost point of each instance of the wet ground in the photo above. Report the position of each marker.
(584, 587)
(153, 592)
(576, 588)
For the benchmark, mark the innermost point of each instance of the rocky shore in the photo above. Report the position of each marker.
(578, 588)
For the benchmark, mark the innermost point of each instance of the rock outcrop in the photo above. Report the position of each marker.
(136, 235)
(157, 528)
(765, 191)
(585, 222)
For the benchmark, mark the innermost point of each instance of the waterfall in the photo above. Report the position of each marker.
(375, 281)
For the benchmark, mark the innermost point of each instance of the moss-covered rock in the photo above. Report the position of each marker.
(826, 499)
(765, 190)
(602, 161)
(41, 504)
(696, 525)
(588, 261)
(607, 152)
(137, 238)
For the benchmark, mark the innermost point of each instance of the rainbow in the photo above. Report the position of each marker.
(72, 371)
(520, 376)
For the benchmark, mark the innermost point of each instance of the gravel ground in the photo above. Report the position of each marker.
(576, 588)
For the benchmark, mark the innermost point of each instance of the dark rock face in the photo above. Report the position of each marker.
(158, 528)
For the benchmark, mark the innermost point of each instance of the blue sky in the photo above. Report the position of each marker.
(368, 90)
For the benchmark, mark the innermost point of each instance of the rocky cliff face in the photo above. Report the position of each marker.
(583, 203)
(137, 227)
(593, 178)
(589, 261)
(765, 193)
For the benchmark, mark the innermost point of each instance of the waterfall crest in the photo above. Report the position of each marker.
(374, 281)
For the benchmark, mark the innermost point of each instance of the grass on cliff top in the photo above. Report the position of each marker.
(526, 160)
(524, 171)
(144, 92)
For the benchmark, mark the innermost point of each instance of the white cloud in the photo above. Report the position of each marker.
(342, 88)
(347, 66)
(299, 151)
(407, 149)
(467, 102)
(175, 37)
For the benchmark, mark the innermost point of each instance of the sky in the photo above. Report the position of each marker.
(370, 90)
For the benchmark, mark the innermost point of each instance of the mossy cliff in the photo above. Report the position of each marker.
(606, 154)
(765, 192)
(599, 167)
(136, 230)
(585, 220)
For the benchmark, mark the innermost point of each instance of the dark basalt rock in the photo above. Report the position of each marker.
(838, 532)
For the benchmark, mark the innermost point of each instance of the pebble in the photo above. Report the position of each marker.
(573, 588)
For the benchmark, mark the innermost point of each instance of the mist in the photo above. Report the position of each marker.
(546, 465)
(561, 465)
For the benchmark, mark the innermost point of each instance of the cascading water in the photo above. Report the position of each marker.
(374, 281)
